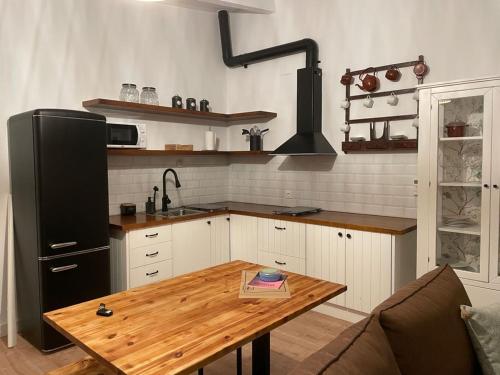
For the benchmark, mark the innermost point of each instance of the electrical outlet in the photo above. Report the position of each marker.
(288, 194)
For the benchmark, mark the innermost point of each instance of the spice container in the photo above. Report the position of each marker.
(204, 105)
(149, 96)
(176, 101)
(191, 104)
(129, 93)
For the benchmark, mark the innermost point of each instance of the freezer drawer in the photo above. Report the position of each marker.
(71, 280)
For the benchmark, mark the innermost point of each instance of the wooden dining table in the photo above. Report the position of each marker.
(179, 325)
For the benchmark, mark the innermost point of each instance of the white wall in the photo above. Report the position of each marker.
(459, 39)
(56, 53)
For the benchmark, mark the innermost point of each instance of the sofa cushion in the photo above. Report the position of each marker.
(483, 324)
(423, 324)
(361, 349)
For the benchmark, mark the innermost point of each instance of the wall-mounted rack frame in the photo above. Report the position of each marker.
(386, 145)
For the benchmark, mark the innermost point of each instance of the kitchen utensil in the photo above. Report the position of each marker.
(455, 129)
(368, 102)
(149, 96)
(398, 137)
(129, 93)
(415, 123)
(345, 103)
(204, 105)
(416, 95)
(191, 104)
(357, 139)
(127, 209)
(346, 79)
(420, 69)
(176, 101)
(393, 99)
(393, 74)
(369, 82)
(373, 132)
(245, 132)
(210, 140)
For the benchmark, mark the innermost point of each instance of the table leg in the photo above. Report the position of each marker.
(239, 362)
(261, 355)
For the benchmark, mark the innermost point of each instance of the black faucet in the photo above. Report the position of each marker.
(165, 200)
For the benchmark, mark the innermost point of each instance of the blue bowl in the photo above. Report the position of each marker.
(270, 274)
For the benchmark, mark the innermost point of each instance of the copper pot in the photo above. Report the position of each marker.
(420, 69)
(455, 129)
(369, 82)
(393, 74)
(346, 79)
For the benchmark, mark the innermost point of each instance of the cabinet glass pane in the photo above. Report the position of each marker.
(459, 177)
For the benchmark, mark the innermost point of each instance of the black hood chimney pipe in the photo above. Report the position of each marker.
(309, 140)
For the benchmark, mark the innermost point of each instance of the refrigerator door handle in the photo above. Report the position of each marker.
(63, 268)
(60, 245)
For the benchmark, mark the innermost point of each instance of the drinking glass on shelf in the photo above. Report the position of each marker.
(149, 96)
(129, 93)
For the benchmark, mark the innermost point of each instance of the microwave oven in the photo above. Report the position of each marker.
(126, 135)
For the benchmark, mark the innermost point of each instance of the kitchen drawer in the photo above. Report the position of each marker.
(150, 236)
(141, 256)
(282, 262)
(151, 273)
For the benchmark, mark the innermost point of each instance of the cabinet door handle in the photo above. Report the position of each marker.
(151, 274)
(151, 235)
(63, 268)
(152, 254)
(60, 245)
(341, 235)
(280, 263)
(348, 236)
(228, 218)
(495, 186)
(279, 228)
(486, 186)
(209, 222)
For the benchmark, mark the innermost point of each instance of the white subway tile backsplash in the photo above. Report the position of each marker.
(380, 184)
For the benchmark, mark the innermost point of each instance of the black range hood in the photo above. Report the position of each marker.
(309, 140)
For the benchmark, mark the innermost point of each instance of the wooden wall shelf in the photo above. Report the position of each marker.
(138, 111)
(136, 152)
(380, 145)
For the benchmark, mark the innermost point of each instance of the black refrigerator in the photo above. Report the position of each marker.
(59, 184)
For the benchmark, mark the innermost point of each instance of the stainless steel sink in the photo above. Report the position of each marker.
(179, 212)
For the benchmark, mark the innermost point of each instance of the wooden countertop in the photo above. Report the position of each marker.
(181, 324)
(369, 223)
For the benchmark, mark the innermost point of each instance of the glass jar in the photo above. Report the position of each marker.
(149, 96)
(129, 93)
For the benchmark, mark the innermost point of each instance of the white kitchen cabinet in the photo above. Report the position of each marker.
(282, 237)
(191, 245)
(372, 265)
(243, 238)
(325, 255)
(282, 244)
(459, 180)
(140, 257)
(219, 239)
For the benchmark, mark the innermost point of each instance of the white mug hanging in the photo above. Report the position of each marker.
(368, 102)
(346, 128)
(415, 123)
(393, 99)
(345, 104)
(415, 95)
